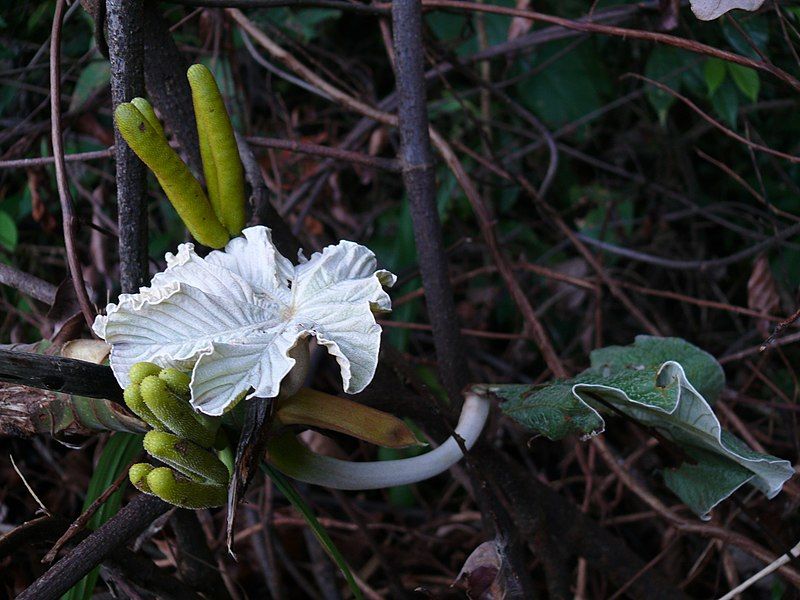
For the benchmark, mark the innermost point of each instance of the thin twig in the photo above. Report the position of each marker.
(279, 72)
(694, 265)
(656, 559)
(491, 335)
(28, 487)
(420, 183)
(28, 284)
(84, 517)
(754, 350)
(489, 234)
(588, 284)
(713, 122)
(263, 213)
(770, 568)
(67, 206)
(376, 162)
(39, 161)
(779, 328)
(131, 520)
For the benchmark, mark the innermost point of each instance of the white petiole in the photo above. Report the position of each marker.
(295, 460)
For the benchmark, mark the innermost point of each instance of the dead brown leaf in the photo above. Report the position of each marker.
(762, 292)
(481, 573)
(520, 26)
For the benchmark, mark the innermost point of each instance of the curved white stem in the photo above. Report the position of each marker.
(773, 566)
(295, 460)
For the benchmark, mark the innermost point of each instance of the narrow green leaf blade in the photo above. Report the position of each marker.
(317, 529)
(120, 450)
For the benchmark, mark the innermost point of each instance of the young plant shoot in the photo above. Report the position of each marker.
(183, 190)
(211, 219)
(221, 163)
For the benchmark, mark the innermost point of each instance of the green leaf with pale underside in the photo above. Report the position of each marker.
(665, 384)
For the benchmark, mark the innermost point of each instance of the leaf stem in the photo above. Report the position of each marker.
(295, 460)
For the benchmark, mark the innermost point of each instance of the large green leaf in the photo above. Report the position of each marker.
(714, 72)
(661, 383)
(725, 101)
(662, 65)
(571, 85)
(700, 367)
(8, 231)
(746, 79)
(94, 76)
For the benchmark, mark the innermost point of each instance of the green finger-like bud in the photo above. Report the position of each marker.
(221, 162)
(138, 475)
(180, 186)
(134, 401)
(188, 458)
(175, 412)
(147, 111)
(141, 370)
(176, 381)
(209, 169)
(183, 492)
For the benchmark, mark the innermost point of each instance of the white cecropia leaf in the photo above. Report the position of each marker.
(234, 317)
(707, 10)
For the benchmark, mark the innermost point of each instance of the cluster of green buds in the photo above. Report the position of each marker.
(199, 459)
(211, 219)
(193, 445)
